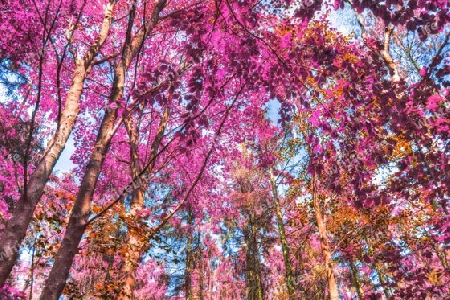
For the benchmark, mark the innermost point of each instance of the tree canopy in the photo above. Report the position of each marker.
(226, 149)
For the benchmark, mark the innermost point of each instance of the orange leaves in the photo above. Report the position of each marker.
(402, 147)
(350, 57)
(96, 209)
(65, 195)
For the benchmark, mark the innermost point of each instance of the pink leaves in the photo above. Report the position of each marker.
(338, 4)
(286, 40)
(366, 270)
(144, 213)
(433, 102)
(317, 148)
(314, 120)
(9, 292)
(214, 58)
(113, 105)
(423, 72)
(216, 40)
(221, 73)
(315, 117)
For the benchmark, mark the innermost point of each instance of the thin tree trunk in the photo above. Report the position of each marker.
(199, 175)
(377, 269)
(79, 217)
(188, 270)
(137, 200)
(442, 255)
(189, 260)
(254, 279)
(382, 281)
(16, 227)
(257, 264)
(284, 245)
(355, 280)
(326, 253)
(387, 56)
(201, 267)
(200, 283)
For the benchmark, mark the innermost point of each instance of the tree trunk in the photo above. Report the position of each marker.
(284, 245)
(377, 269)
(382, 281)
(201, 268)
(442, 255)
(16, 227)
(79, 217)
(254, 279)
(189, 259)
(326, 253)
(55, 283)
(355, 280)
(137, 200)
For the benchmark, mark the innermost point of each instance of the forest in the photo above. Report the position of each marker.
(224, 149)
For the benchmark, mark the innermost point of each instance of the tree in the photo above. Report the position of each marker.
(184, 182)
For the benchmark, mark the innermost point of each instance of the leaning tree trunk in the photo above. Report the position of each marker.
(80, 212)
(326, 252)
(16, 227)
(78, 221)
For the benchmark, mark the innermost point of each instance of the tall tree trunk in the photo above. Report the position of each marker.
(137, 200)
(200, 282)
(79, 217)
(155, 146)
(16, 227)
(189, 259)
(254, 279)
(382, 281)
(377, 269)
(188, 270)
(284, 245)
(442, 255)
(326, 253)
(355, 280)
(257, 264)
(80, 212)
(201, 267)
